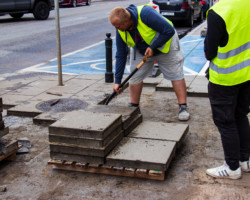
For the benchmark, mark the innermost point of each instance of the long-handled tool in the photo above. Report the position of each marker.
(126, 80)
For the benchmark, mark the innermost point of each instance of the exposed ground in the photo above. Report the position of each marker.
(30, 177)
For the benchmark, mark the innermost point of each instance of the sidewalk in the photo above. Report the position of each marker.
(30, 177)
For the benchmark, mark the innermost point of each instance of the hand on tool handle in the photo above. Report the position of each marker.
(149, 52)
(118, 87)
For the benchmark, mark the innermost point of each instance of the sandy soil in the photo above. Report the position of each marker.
(30, 177)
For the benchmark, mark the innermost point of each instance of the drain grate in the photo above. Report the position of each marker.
(61, 105)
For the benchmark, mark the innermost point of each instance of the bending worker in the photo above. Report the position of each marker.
(153, 35)
(227, 46)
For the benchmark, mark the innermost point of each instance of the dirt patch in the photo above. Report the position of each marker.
(30, 177)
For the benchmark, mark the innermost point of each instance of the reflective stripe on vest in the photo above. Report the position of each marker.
(148, 34)
(231, 66)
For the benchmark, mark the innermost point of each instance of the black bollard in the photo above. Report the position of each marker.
(109, 75)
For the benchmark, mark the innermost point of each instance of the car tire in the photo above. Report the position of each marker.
(41, 10)
(190, 20)
(88, 2)
(16, 15)
(74, 3)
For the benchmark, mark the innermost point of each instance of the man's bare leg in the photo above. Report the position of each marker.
(181, 94)
(135, 92)
(180, 91)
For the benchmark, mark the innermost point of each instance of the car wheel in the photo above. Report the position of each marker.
(88, 2)
(41, 10)
(74, 3)
(16, 15)
(190, 20)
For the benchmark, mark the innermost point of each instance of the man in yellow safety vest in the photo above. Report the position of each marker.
(146, 32)
(227, 46)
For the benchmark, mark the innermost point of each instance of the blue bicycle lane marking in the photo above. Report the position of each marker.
(91, 60)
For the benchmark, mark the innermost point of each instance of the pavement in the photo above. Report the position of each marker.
(25, 95)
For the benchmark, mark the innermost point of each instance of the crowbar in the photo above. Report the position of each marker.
(126, 80)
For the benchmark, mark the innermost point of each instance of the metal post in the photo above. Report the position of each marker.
(58, 42)
(109, 76)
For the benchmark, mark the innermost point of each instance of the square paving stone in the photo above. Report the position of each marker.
(142, 154)
(86, 124)
(77, 158)
(27, 109)
(160, 131)
(129, 114)
(94, 143)
(198, 87)
(84, 150)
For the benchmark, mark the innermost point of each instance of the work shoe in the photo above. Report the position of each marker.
(224, 172)
(135, 105)
(183, 114)
(245, 166)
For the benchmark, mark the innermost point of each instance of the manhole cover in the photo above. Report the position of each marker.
(61, 105)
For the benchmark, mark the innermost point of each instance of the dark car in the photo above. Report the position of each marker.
(16, 9)
(184, 10)
(74, 3)
(205, 7)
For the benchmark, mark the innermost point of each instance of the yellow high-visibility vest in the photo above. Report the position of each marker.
(231, 66)
(148, 34)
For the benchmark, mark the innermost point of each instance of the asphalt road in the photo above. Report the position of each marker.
(27, 42)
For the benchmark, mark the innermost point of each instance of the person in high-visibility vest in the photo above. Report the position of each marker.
(146, 32)
(227, 46)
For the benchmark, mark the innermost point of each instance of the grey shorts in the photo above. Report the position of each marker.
(170, 64)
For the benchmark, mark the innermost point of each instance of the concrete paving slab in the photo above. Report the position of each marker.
(77, 158)
(72, 86)
(96, 77)
(142, 154)
(128, 128)
(153, 81)
(198, 87)
(86, 124)
(92, 98)
(48, 118)
(160, 131)
(14, 84)
(27, 109)
(11, 100)
(95, 143)
(101, 87)
(166, 85)
(46, 97)
(7, 146)
(128, 113)
(84, 150)
(35, 88)
(4, 131)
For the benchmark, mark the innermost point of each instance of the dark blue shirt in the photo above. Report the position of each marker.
(153, 20)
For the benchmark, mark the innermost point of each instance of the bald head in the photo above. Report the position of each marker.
(120, 18)
(120, 14)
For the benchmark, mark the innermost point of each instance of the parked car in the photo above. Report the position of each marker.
(205, 7)
(184, 10)
(16, 9)
(74, 3)
(155, 6)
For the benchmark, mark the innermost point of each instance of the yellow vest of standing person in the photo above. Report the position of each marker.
(231, 66)
(148, 34)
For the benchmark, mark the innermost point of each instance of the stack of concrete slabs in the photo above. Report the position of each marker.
(131, 116)
(83, 136)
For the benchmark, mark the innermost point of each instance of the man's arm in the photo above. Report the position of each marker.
(155, 21)
(216, 35)
(121, 58)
